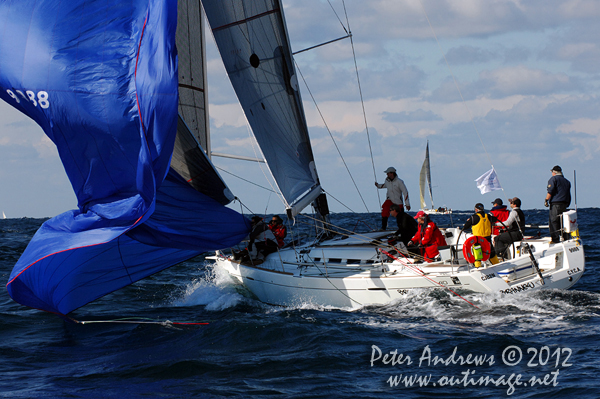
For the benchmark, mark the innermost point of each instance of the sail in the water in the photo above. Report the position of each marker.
(425, 180)
(253, 42)
(101, 79)
(3, 215)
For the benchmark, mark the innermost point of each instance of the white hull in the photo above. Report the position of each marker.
(353, 273)
(436, 212)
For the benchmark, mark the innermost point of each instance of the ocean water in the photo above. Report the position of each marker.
(428, 345)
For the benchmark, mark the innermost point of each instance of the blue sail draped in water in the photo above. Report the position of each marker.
(100, 78)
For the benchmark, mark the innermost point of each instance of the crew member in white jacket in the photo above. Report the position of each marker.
(396, 194)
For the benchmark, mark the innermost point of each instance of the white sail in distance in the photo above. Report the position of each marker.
(425, 180)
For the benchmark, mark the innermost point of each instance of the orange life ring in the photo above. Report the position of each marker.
(468, 248)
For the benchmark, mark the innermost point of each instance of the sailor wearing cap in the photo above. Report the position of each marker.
(428, 237)
(396, 191)
(558, 199)
(501, 212)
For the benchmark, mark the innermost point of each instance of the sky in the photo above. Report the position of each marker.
(508, 83)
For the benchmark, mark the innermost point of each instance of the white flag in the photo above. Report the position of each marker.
(488, 182)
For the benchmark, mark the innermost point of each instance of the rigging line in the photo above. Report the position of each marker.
(338, 17)
(362, 102)
(241, 178)
(360, 237)
(345, 206)
(456, 83)
(375, 242)
(330, 282)
(341, 229)
(433, 281)
(331, 135)
(244, 205)
(267, 206)
(340, 202)
(131, 320)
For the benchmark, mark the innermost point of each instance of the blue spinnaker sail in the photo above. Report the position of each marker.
(100, 78)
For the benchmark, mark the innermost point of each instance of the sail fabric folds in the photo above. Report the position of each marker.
(425, 180)
(191, 163)
(100, 78)
(253, 43)
(189, 157)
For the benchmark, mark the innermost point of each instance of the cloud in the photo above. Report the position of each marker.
(469, 55)
(585, 134)
(508, 81)
(525, 81)
(414, 116)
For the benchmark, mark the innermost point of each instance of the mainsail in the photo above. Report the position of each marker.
(253, 42)
(101, 79)
(193, 99)
(425, 180)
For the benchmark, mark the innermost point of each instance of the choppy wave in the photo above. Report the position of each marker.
(250, 349)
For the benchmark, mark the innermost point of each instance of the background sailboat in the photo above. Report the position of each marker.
(425, 184)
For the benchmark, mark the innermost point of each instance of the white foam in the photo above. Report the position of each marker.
(216, 290)
(527, 313)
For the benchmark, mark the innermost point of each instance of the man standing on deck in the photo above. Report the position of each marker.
(558, 199)
(396, 190)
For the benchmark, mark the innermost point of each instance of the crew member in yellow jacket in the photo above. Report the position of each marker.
(481, 225)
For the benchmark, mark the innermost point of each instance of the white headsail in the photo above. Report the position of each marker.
(253, 42)
(425, 180)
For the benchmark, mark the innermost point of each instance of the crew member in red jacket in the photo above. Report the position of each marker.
(501, 213)
(278, 229)
(428, 237)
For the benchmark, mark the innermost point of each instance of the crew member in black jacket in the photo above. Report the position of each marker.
(515, 226)
(558, 199)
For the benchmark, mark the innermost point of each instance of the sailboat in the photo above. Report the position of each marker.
(347, 270)
(123, 97)
(425, 182)
(3, 215)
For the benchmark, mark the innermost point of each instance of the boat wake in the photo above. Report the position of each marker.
(215, 290)
(526, 314)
